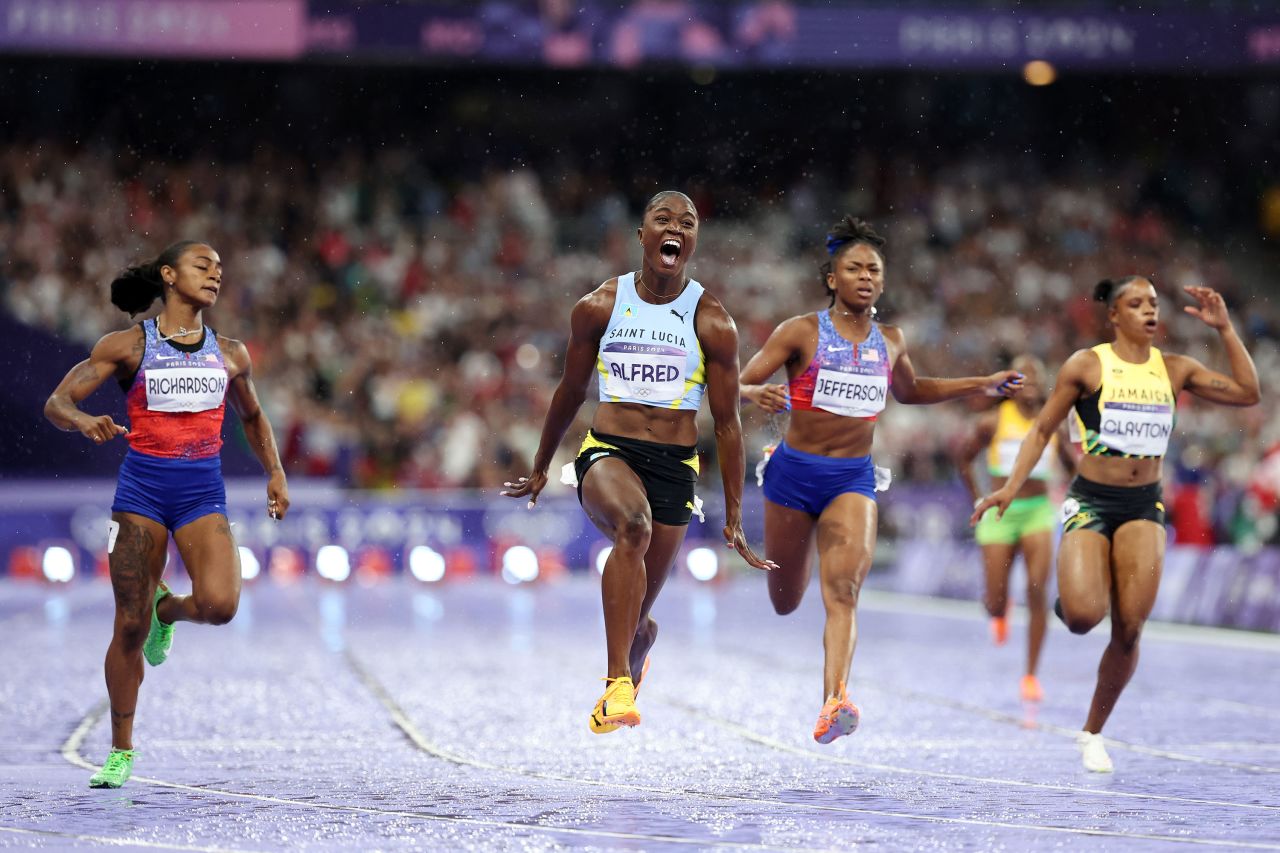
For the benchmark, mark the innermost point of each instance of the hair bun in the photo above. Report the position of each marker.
(1102, 290)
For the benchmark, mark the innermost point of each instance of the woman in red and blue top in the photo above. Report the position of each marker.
(177, 374)
(841, 366)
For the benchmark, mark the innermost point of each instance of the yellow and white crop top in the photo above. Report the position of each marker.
(1011, 429)
(1133, 411)
(650, 354)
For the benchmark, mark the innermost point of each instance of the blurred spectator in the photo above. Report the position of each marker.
(407, 330)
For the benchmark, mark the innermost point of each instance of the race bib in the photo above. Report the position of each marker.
(1007, 454)
(1138, 429)
(853, 395)
(649, 372)
(185, 389)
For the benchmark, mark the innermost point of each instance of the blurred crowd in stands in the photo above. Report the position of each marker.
(407, 325)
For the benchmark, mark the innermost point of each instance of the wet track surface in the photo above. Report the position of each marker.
(406, 716)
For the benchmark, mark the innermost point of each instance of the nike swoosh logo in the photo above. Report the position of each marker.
(837, 349)
(168, 357)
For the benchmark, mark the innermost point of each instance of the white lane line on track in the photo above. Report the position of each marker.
(411, 731)
(71, 752)
(1025, 724)
(1013, 719)
(1178, 632)
(119, 842)
(765, 740)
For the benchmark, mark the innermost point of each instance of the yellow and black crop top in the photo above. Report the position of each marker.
(1133, 411)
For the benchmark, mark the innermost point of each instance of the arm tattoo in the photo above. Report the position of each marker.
(1218, 385)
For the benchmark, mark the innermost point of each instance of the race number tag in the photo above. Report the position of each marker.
(653, 373)
(1138, 429)
(1007, 454)
(113, 530)
(851, 393)
(185, 389)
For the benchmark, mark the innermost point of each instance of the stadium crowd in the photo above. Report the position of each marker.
(406, 324)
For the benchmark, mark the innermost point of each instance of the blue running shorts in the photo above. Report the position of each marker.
(808, 482)
(173, 492)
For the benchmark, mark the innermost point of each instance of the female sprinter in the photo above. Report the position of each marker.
(658, 341)
(175, 372)
(1028, 526)
(1112, 547)
(841, 366)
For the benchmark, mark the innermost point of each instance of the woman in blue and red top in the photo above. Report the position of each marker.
(176, 373)
(841, 366)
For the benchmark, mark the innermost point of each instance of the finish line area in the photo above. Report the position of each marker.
(454, 716)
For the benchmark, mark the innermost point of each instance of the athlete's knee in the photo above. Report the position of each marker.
(996, 604)
(131, 631)
(634, 532)
(784, 605)
(217, 609)
(841, 591)
(1082, 622)
(1126, 635)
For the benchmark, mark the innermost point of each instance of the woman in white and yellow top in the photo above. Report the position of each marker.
(1113, 539)
(659, 343)
(1027, 526)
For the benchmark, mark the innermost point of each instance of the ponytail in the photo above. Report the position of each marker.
(1108, 290)
(138, 286)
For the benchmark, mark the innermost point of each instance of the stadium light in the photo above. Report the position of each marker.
(250, 568)
(703, 564)
(519, 565)
(426, 564)
(1039, 73)
(333, 563)
(58, 565)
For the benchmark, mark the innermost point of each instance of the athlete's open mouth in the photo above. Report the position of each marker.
(670, 251)
(1150, 325)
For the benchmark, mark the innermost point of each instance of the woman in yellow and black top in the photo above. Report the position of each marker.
(1113, 539)
(1027, 525)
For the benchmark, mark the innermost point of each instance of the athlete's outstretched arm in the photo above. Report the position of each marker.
(719, 338)
(778, 351)
(920, 390)
(1072, 381)
(587, 323)
(243, 397)
(1241, 388)
(108, 356)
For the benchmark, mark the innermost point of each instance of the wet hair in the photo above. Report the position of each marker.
(658, 197)
(844, 235)
(137, 287)
(1108, 290)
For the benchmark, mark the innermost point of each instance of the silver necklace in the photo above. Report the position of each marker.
(182, 332)
(640, 281)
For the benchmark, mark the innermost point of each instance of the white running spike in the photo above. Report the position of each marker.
(1094, 753)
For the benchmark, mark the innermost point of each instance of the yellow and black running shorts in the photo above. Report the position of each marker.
(1103, 509)
(667, 471)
